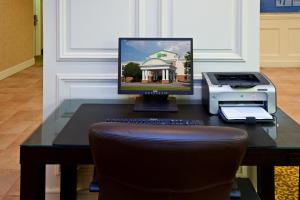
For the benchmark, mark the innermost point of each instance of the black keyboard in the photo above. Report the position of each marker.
(157, 121)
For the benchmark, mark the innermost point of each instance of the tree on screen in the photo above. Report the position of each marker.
(188, 65)
(133, 70)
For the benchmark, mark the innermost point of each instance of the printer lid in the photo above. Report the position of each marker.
(238, 79)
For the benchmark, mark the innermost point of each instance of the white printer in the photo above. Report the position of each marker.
(242, 90)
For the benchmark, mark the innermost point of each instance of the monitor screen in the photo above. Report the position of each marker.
(158, 66)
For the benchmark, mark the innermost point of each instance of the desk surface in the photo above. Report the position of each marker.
(284, 133)
(38, 150)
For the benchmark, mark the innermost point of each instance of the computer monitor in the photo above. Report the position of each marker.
(155, 68)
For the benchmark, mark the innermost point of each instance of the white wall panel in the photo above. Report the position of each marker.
(220, 29)
(225, 33)
(95, 86)
(222, 41)
(149, 18)
(88, 86)
(209, 33)
(89, 30)
(93, 26)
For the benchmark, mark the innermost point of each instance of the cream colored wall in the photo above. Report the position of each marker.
(280, 40)
(16, 33)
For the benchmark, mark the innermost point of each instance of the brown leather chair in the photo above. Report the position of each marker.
(146, 162)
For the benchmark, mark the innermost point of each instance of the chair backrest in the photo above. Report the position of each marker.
(148, 162)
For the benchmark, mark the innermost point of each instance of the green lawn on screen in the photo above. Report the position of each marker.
(158, 88)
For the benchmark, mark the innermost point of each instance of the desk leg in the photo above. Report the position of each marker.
(266, 182)
(68, 184)
(32, 181)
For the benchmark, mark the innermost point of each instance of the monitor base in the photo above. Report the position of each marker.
(155, 103)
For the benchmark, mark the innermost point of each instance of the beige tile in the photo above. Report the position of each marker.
(14, 127)
(24, 135)
(15, 189)
(6, 113)
(10, 106)
(7, 179)
(5, 97)
(22, 97)
(6, 140)
(18, 83)
(35, 102)
(32, 106)
(9, 160)
(26, 115)
(6, 90)
(11, 198)
(52, 197)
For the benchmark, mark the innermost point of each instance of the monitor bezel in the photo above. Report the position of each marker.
(149, 92)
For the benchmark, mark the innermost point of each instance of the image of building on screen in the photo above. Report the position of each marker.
(156, 65)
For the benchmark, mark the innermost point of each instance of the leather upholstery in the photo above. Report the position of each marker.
(146, 162)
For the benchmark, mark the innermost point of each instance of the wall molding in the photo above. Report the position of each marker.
(65, 83)
(17, 68)
(164, 29)
(98, 85)
(280, 63)
(66, 53)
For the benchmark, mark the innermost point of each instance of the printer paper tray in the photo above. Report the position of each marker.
(245, 114)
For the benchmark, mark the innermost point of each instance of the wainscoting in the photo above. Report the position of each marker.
(280, 41)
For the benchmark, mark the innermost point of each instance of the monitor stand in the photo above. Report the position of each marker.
(156, 103)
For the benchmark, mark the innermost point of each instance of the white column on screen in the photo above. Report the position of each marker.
(167, 74)
(143, 75)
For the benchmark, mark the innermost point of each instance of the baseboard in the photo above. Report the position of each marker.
(275, 62)
(17, 68)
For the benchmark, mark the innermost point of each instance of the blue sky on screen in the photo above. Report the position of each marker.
(138, 50)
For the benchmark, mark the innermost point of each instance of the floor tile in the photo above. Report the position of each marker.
(14, 127)
(7, 179)
(6, 140)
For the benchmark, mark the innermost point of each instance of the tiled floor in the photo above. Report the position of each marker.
(287, 82)
(21, 113)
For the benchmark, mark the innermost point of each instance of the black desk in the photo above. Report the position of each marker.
(272, 144)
